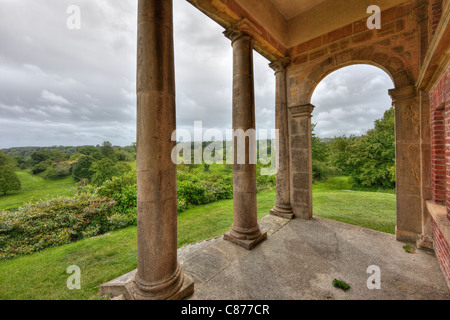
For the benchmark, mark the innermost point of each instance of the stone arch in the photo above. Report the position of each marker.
(394, 65)
(305, 79)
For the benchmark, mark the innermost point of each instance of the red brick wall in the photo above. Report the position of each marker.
(440, 143)
(438, 166)
(442, 249)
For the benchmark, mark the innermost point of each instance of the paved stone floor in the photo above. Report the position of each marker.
(300, 259)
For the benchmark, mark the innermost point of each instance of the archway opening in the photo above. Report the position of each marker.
(353, 147)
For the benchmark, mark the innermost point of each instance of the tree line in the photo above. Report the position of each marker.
(368, 159)
(93, 164)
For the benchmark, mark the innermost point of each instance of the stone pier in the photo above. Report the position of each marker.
(282, 206)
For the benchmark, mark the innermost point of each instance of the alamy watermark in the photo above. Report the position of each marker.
(73, 22)
(240, 147)
(374, 281)
(374, 21)
(74, 281)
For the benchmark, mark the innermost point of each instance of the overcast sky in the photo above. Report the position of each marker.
(77, 87)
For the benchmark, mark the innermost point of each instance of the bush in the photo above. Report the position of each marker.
(106, 169)
(57, 221)
(57, 171)
(122, 189)
(266, 182)
(41, 166)
(82, 168)
(9, 181)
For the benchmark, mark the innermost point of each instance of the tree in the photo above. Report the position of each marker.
(372, 157)
(340, 152)
(82, 168)
(9, 181)
(6, 160)
(107, 150)
(105, 169)
(320, 157)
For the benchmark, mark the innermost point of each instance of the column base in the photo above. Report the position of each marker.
(406, 236)
(186, 289)
(246, 244)
(283, 213)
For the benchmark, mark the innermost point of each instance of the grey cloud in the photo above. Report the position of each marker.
(76, 87)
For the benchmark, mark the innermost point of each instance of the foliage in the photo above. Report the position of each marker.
(8, 180)
(61, 220)
(106, 169)
(340, 152)
(321, 166)
(5, 160)
(107, 150)
(82, 168)
(340, 284)
(122, 189)
(371, 158)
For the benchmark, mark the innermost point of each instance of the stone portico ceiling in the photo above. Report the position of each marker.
(284, 24)
(290, 9)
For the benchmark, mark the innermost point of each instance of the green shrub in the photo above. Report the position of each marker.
(41, 166)
(57, 221)
(9, 181)
(82, 168)
(122, 189)
(266, 182)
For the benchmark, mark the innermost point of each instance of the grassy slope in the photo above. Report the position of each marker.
(43, 275)
(35, 188)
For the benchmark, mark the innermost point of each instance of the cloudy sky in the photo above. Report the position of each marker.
(76, 87)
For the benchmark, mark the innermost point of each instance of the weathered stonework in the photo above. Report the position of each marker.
(412, 46)
(283, 206)
(245, 230)
(301, 160)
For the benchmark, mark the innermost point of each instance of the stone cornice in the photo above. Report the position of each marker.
(300, 111)
(280, 65)
(404, 93)
(437, 59)
(243, 28)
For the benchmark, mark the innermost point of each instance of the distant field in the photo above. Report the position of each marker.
(35, 188)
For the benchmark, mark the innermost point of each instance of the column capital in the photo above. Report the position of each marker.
(300, 111)
(280, 65)
(403, 93)
(243, 28)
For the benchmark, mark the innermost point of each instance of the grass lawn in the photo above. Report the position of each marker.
(334, 199)
(43, 275)
(35, 188)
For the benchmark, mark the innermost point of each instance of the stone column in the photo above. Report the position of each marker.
(408, 163)
(245, 230)
(426, 238)
(159, 275)
(301, 160)
(282, 206)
